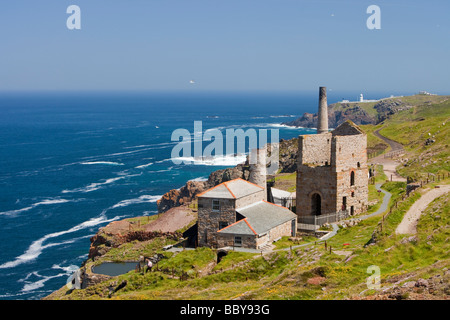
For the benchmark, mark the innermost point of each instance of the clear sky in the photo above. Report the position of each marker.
(225, 45)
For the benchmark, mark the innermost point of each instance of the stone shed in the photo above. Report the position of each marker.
(235, 213)
(262, 223)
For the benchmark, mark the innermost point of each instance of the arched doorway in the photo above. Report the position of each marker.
(316, 204)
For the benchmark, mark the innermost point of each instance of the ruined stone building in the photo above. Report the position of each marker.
(332, 172)
(332, 175)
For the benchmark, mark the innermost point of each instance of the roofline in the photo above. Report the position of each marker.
(239, 221)
(225, 184)
(276, 205)
(200, 194)
(251, 228)
(249, 182)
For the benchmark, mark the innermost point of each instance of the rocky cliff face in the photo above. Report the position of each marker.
(341, 112)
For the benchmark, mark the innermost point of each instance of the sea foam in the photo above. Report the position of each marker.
(34, 205)
(36, 248)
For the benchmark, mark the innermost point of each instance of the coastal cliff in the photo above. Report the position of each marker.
(358, 112)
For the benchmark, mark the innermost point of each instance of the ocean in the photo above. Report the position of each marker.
(73, 162)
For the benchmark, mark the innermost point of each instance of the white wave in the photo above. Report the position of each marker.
(162, 144)
(34, 205)
(103, 162)
(94, 186)
(162, 170)
(36, 248)
(142, 199)
(200, 179)
(279, 125)
(144, 165)
(284, 116)
(31, 286)
(228, 160)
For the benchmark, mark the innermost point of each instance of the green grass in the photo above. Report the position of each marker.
(412, 128)
(287, 274)
(286, 181)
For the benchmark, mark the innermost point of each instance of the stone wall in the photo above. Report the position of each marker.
(315, 180)
(251, 198)
(227, 240)
(350, 156)
(253, 241)
(208, 220)
(281, 230)
(315, 150)
(325, 166)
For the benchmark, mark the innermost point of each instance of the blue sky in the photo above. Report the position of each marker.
(240, 45)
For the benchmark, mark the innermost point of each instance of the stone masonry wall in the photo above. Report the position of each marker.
(315, 149)
(320, 180)
(348, 153)
(350, 156)
(227, 240)
(208, 220)
(250, 199)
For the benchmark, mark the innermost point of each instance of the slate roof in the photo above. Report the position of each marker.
(233, 189)
(347, 128)
(260, 217)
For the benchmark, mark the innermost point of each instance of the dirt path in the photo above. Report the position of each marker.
(388, 164)
(409, 222)
(395, 146)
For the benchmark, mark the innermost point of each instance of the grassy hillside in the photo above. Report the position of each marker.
(411, 267)
(424, 131)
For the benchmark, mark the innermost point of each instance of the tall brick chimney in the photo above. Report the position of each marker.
(322, 121)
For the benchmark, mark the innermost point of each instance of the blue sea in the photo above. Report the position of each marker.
(73, 162)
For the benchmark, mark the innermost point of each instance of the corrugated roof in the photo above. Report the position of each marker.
(260, 217)
(233, 189)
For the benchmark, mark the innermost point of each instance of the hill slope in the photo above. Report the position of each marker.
(411, 266)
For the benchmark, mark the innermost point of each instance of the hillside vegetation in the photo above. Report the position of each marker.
(411, 266)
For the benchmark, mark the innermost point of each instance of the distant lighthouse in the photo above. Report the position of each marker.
(361, 98)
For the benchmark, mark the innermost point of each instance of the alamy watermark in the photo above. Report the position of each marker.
(189, 149)
(374, 281)
(374, 21)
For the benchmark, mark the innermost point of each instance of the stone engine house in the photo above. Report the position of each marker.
(332, 172)
(332, 176)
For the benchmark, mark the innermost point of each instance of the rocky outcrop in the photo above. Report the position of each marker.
(341, 112)
(337, 114)
(119, 232)
(183, 196)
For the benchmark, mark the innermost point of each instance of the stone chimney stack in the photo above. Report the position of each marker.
(322, 122)
(257, 162)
